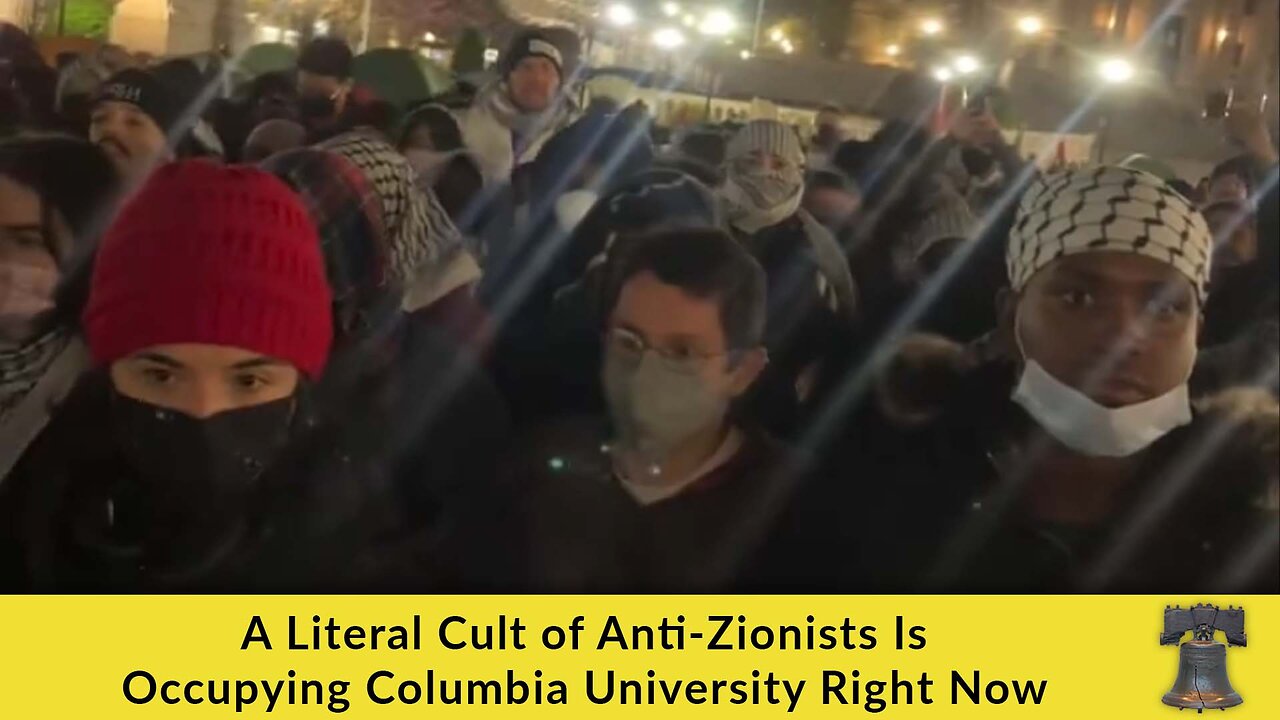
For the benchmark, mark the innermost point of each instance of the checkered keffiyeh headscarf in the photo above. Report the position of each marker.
(348, 215)
(419, 231)
(768, 136)
(1107, 209)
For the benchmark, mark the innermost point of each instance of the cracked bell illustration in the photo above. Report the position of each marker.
(1202, 661)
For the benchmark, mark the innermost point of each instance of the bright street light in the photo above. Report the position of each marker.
(429, 37)
(942, 74)
(787, 47)
(892, 51)
(1030, 25)
(717, 22)
(620, 14)
(966, 64)
(775, 35)
(668, 38)
(1116, 70)
(745, 54)
(670, 9)
(931, 26)
(690, 21)
(1222, 35)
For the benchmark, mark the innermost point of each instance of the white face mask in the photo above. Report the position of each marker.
(573, 206)
(1091, 429)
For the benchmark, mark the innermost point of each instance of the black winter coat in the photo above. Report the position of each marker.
(919, 501)
(380, 452)
(563, 522)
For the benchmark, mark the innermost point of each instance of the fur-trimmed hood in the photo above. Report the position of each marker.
(932, 379)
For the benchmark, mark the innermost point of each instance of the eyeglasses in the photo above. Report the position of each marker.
(631, 348)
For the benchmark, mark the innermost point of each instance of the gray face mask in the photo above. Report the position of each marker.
(656, 403)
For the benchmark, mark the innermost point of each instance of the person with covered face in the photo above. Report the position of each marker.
(812, 297)
(1079, 461)
(762, 192)
(554, 372)
(511, 119)
(185, 460)
(432, 141)
(669, 490)
(55, 192)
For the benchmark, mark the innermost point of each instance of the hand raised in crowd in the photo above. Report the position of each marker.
(1246, 125)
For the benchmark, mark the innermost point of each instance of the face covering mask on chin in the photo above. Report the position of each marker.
(1091, 429)
(655, 407)
(192, 470)
(572, 207)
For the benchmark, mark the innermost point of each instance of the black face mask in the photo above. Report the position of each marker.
(317, 108)
(192, 467)
(977, 162)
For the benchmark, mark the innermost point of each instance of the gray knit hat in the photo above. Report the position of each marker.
(947, 216)
(1107, 209)
(768, 136)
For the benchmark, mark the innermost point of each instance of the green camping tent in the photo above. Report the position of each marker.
(265, 58)
(401, 76)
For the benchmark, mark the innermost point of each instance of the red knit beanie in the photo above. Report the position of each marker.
(211, 255)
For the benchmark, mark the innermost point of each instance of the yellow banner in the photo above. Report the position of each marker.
(572, 656)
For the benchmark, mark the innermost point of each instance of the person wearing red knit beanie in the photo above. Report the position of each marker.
(209, 292)
(190, 457)
(208, 305)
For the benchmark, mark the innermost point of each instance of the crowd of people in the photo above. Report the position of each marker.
(292, 339)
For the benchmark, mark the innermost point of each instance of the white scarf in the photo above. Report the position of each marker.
(524, 125)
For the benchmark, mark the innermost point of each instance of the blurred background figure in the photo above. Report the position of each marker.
(432, 141)
(828, 134)
(700, 153)
(271, 137)
(324, 81)
(28, 87)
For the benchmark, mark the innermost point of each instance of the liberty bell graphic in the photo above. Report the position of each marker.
(1202, 662)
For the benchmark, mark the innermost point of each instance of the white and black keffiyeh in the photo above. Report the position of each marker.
(420, 233)
(1107, 209)
(766, 136)
(756, 197)
(22, 367)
